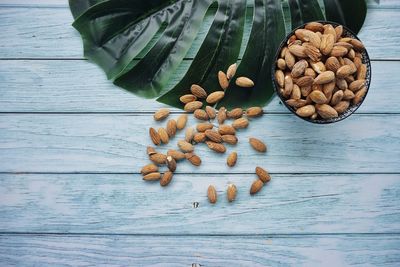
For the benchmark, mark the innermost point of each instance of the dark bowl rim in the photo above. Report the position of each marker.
(351, 110)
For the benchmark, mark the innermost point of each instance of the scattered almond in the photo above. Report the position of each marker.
(161, 114)
(258, 145)
(223, 80)
(221, 117)
(213, 136)
(219, 148)
(254, 112)
(240, 123)
(192, 106)
(154, 176)
(187, 98)
(166, 178)
(212, 194)
(235, 113)
(180, 122)
(155, 137)
(202, 127)
(256, 186)
(149, 168)
(211, 112)
(244, 82)
(225, 129)
(171, 163)
(193, 158)
(158, 158)
(199, 137)
(231, 192)
(177, 155)
(198, 91)
(215, 97)
(231, 72)
(229, 139)
(263, 175)
(185, 146)
(231, 160)
(163, 135)
(201, 114)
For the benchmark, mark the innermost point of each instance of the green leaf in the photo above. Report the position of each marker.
(115, 32)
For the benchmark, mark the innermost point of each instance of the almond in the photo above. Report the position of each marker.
(185, 146)
(231, 160)
(341, 84)
(244, 82)
(172, 126)
(357, 85)
(154, 176)
(318, 67)
(326, 111)
(231, 71)
(312, 52)
(283, 52)
(305, 81)
(221, 117)
(258, 145)
(281, 64)
(223, 80)
(310, 72)
(155, 137)
(299, 68)
(296, 103)
(171, 163)
(177, 155)
(163, 135)
(256, 186)
(337, 97)
(296, 92)
(180, 124)
(199, 137)
(327, 42)
(288, 86)
(235, 113)
(161, 114)
(211, 112)
(345, 71)
(306, 90)
(201, 114)
(254, 112)
(231, 192)
(362, 72)
(349, 79)
(189, 134)
(328, 88)
(192, 106)
(212, 194)
(342, 106)
(339, 51)
(213, 136)
(229, 139)
(240, 123)
(263, 175)
(315, 27)
(198, 91)
(158, 158)
(358, 62)
(339, 32)
(149, 168)
(215, 97)
(151, 151)
(328, 29)
(219, 148)
(318, 97)
(298, 51)
(224, 129)
(166, 178)
(202, 127)
(187, 98)
(193, 158)
(290, 59)
(358, 45)
(348, 95)
(359, 95)
(306, 111)
(325, 77)
(332, 64)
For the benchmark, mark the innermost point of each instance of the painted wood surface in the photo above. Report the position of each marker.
(341, 250)
(117, 143)
(47, 33)
(124, 204)
(46, 86)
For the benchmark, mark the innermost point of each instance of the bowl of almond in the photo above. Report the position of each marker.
(322, 72)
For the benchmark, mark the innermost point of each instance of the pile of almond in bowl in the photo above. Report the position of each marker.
(321, 72)
(218, 129)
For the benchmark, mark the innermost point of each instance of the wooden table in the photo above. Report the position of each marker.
(72, 144)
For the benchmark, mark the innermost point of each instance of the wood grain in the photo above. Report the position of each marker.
(46, 86)
(47, 33)
(38, 250)
(117, 143)
(125, 204)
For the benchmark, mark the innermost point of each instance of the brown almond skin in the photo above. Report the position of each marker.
(219, 148)
(244, 82)
(171, 163)
(280, 78)
(332, 64)
(231, 160)
(226, 129)
(193, 158)
(235, 113)
(299, 68)
(158, 158)
(357, 85)
(315, 27)
(289, 59)
(212, 194)
(150, 151)
(281, 64)
(213, 136)
(199, 137)
(258, 145)
(240, 123)
(185, 146)
(202, 127)
(223, 80)
(231, 72)
(189, 133)
(166, 178)
(154, 136)
(327, 42)
(310, 72)
(256, 186)
(357, 44)
(161, 114)
(198, 91)
(337, 97)
(181, 122)
(325, 77)
(359, 95)
(154, 176)
(229, 139)
(318, 97)
(254, 112)
(211, 112)
(348, 95)
(192, 106)
(305, 81)
(326, 111)
(288, 86)
(342, 106)
(149, 168)
(298, 51)
(231, 192)
(296, 103)
(187, 98)
(215, 97)
(171, 128)
(221, 117)
(163, 135)
(177, 155)
(345, 71)
(201, 114)
(263, 175)
(362, 72)
(306, 111)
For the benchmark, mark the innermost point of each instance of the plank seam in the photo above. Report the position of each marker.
(197, 173)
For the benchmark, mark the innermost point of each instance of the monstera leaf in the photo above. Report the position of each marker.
(140, 44)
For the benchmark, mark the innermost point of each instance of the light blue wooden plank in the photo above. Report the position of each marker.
(125, 204)
(46, 86)
(47, 33)
(50, 250)
(117, 143)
